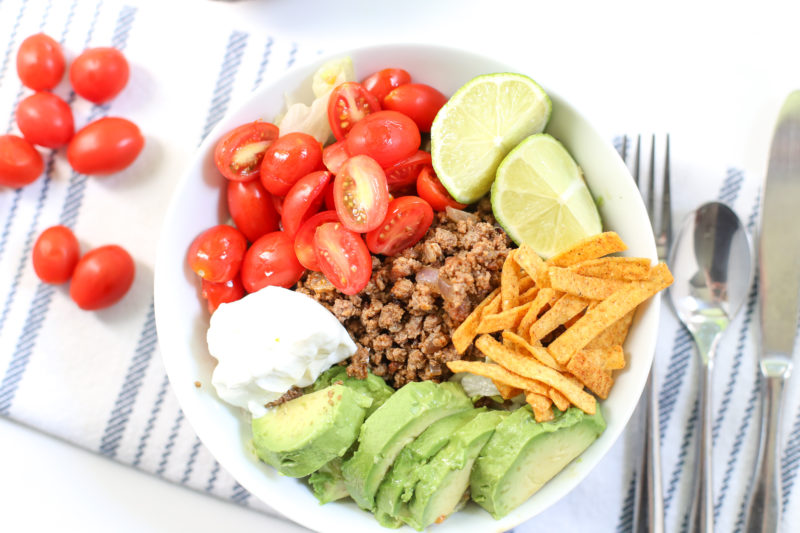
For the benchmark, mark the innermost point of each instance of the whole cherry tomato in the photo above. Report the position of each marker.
(222, 293)
(239, 153)
(348, 104)
(271, 261)
(403, 174)
(102, 277)
(304, 240)
(99, 74)
(360, 194)
(385, 136)
(251, 208)
(419, 101)
(216, 254)
(303, 200)
(330, 203)
(432, 191)
(288, 159)
(46, 120)
(20, 162)
(105, 146)
(406, 222)
(343, 257)
(55, 254)
(382, 82)
(334, 155)
(40, 62)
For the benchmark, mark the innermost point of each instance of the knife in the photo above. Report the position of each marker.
(779, 293)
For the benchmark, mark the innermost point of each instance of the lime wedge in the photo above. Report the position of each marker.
(479, 125)
(541, 199)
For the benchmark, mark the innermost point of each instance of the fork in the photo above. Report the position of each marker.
(649, 505)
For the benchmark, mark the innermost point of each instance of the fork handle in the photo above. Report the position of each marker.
(702, 515)
(650, 506)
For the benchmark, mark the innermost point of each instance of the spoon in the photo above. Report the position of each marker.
(711, 261)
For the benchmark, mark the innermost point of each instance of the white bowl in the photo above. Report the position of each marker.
(182, 318)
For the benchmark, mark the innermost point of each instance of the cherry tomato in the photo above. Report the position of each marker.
(20, 162)
(40, 62)
(239, 153)
(45, 119)
(277, 203)
(343, 257)
(360, 194)
(432, 191)
(304, 240)
(222, 293)
(348, 104)
(105, 146)
(55, 254)
(330, 203)
(382, 82)
(407, 221)
(303, 200)
(99, 74)
(288, 159)
(419, 101)
(102, 277)
(385, 136)
(403, 174)
(251, 208)
(334, 155)
(271, 261)
(216, 254)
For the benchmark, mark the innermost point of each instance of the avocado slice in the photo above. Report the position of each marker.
(443, 481)
(299, 436)
(398, 485)
(406, 414)
(373, 386)
(523, 455)
(328, 482)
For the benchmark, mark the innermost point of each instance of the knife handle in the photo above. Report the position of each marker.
(764, 507)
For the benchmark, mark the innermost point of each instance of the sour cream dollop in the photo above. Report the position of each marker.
(269, 341)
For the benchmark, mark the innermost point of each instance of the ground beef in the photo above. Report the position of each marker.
(402, 326)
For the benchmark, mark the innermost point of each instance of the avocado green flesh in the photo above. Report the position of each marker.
(328, 482)
(406, 414)
(300, 436)
(372, 386)
(523, 455)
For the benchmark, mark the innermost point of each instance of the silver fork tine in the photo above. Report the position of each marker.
(636, 160)
(624, 150)
(651, 186)
(664, 235)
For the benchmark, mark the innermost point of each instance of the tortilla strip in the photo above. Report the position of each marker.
(613, 357)
(614, 334)
(543, 298)
(509, 283)
(496, 372)
(507, 391)
(528, 295)
(525, 283)
(466, 331)
(620, 268)
(542, 412)
(532, 264)
(567, 281)
(526, 348)
(559, 399)
(564, 309)
(589, 368)
(508, 319)
(589, 248)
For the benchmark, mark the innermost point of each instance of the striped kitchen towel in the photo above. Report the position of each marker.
(96, 378)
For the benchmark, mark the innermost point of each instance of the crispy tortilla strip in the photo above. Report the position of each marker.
(559, 399)
(562, 279)
(466, 331)
(589, 368)
(543, 297)
(528, 295)
(497, 373)
(542, 412)
(507, 391)
(509, 319)
(613, 334)
(525, 283)
(532, 264)
(511, 339)
(621, 268)
(528, 368)
(564, 309)
(613, 357)
(509, 283)
(589, 248)
(607, 312)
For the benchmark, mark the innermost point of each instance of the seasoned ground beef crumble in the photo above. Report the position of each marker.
(403, 320)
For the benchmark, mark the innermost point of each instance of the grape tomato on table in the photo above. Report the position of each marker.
(102, 277)
(45, 119)
(105, 146)
(20, 162)
(40, 62)
(55, 254)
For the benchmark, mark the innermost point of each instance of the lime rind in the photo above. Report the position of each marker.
(484, 120)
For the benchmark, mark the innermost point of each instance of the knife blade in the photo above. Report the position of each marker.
(779, 302)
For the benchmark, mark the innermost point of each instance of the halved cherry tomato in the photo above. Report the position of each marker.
(45, 119)
(288, 159)
(330, 203)
(40, 62)
(216, 254)
(303, 200)
(404, 173)
(251, 208)
(99, 74)
(385, 136)
(55, 254)
(222, 293)
(20, 162)
(271, 261)
(304, 240)
(348, 104)
(382, 82)
(105, 146)
(102, 277)
(343, 257)
(407, 220)
(432, 191)
(361, 194)
(334, 155)
(419, 101)
(239, 153)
